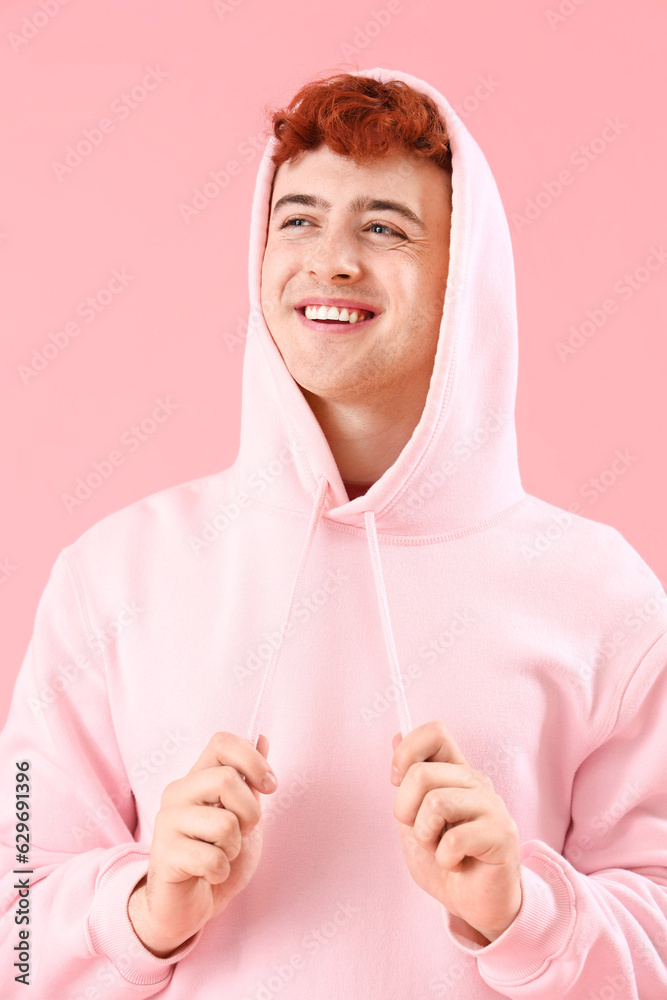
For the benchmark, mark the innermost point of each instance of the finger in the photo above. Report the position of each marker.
(188, 857)
(482, 839)
(227, 748)
(425, 776)
(215, 786)
(431, 741)
(443, 807)
(218, 827)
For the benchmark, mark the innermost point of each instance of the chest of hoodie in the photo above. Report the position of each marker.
(501, 668)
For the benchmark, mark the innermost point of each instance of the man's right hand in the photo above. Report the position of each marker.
(202, 855)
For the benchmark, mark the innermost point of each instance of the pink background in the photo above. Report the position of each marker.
(176, 329)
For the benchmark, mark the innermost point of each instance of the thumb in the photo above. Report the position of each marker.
(263, 746)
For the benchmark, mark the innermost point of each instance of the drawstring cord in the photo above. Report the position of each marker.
(371, 535)
(253, 731)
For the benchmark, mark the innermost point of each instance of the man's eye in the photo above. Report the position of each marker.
(292, 222)
(381, 225)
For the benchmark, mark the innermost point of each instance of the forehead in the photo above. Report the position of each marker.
(323, 176)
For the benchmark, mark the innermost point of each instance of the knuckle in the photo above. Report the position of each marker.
(218, 863)
(453, 797)
(230, 845)
(170, 791)
(219, 741)
(420, 771)
(454, 836)
(439, 797)
(228, 774)
(513, 829)
(399, 813)
(164, 821)
(235, 826)
(505, 821)
(232, 850)
(229, 824)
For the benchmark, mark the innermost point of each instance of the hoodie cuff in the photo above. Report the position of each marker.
(539, 932)
(110, 930)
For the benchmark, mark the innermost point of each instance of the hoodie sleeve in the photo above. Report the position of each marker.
(83, 861)
(593, 921)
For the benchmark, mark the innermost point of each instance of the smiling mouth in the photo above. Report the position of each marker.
(361, 318)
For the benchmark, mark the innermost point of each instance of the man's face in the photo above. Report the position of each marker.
(373, 255)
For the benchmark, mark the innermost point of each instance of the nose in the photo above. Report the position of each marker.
(335, 255)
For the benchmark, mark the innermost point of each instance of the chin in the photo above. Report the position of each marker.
(333, 392)
(310, 382)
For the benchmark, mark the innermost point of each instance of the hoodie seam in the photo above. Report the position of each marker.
(459, 288)
(394, 539)
(431, 445)
(84, 612)
(621, 691)
(267, 344)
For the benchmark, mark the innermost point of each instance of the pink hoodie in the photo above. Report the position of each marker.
(260, 599)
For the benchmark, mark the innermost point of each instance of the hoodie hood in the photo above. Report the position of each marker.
(460, 466)
(459, 469)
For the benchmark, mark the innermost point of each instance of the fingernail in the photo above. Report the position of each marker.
(395, 773)
(270, 781)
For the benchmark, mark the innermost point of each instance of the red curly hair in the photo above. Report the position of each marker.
(360, 117)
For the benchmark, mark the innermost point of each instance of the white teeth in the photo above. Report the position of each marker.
(332, 312)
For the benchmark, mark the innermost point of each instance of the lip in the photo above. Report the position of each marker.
(336, 328)
(341, 303)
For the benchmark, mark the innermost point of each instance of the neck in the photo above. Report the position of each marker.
(367, 436)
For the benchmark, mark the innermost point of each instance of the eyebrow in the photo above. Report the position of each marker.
(359, 204)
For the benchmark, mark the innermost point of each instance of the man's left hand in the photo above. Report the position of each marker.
(459, 841)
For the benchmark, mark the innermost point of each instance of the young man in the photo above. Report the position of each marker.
(370, 559)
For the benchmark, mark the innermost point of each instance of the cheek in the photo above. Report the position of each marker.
(271, 287)
(277, 270)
